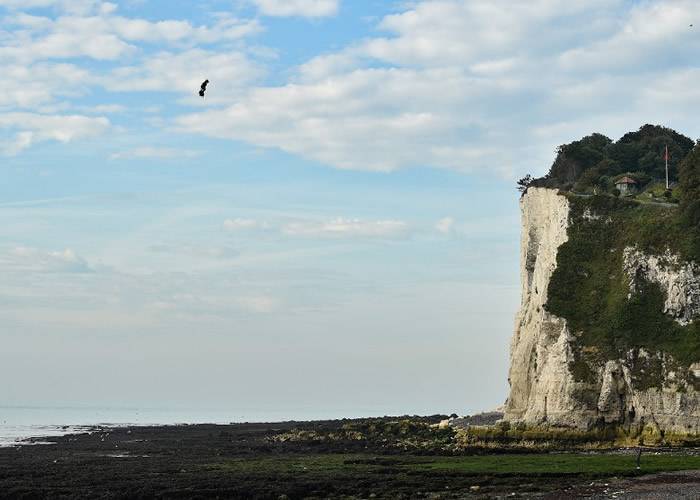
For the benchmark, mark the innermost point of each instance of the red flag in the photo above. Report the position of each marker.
(666, 154)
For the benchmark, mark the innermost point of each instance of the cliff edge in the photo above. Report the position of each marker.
(607, 330)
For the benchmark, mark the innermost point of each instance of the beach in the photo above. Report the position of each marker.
(368, 458)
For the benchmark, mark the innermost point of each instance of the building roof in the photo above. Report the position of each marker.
(625, 180)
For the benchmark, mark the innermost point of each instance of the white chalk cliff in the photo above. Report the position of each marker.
(543, 389)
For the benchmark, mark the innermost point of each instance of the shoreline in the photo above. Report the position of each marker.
(351, 458)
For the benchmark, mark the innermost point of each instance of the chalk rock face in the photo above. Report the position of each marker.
(679, 282)
(541, 385)
(543, 389)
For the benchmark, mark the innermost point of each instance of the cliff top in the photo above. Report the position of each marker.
(595, 163)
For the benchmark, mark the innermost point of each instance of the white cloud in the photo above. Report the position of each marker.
(184, 71)
(29, 86)
(461, 32)
(26, 4)
(240, 223)
(463, 85)
(341, 227)
(107, 37)
(335, 228)
(471, 85)
(370, 119)
(652, 35)
(105, 108)
(27, 259)
(445, 225)
(71, 37)
(328, 65)
(30, 128)
(197, 251)
(226, 28)
(136, 55)
(155, 153)
(71, 6)
(424, 111)
(301, 8)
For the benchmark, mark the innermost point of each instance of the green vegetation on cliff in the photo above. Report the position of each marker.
(690, 192)
(590, 287)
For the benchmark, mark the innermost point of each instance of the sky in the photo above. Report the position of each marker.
(333, 230)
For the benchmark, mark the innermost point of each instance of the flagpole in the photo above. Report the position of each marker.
(666, 155)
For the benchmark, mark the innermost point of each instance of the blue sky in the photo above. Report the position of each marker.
(334, 229)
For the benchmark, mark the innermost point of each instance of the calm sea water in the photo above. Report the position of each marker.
(19, 423)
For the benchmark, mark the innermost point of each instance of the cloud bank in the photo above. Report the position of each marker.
(473, 86)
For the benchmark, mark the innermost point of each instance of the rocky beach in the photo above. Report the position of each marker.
(406, 457)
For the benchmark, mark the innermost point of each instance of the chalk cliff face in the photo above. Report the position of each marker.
(544, 389)
(679, 281)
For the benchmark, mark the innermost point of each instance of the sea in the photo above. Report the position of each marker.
(20, 423)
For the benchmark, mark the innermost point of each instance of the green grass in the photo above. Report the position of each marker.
(522, 464)
(331, 463)
(607, 464)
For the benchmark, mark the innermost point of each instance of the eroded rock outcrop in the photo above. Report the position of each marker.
(679, 281)
(636, 389)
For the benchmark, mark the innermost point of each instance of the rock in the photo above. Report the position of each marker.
(543, 389)
(679, 282)
(486, 418)
(541, 385)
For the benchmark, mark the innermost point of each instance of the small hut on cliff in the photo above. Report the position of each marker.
(626, 185)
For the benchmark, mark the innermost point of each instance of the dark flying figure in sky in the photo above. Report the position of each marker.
(203, 89)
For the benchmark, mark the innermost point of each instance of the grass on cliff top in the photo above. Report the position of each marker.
(532, 464)
(590, 288)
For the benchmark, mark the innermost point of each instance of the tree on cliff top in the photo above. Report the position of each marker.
(524, 183)
(590, 161)
(690, 188)
(575, 158)
(643, 151)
